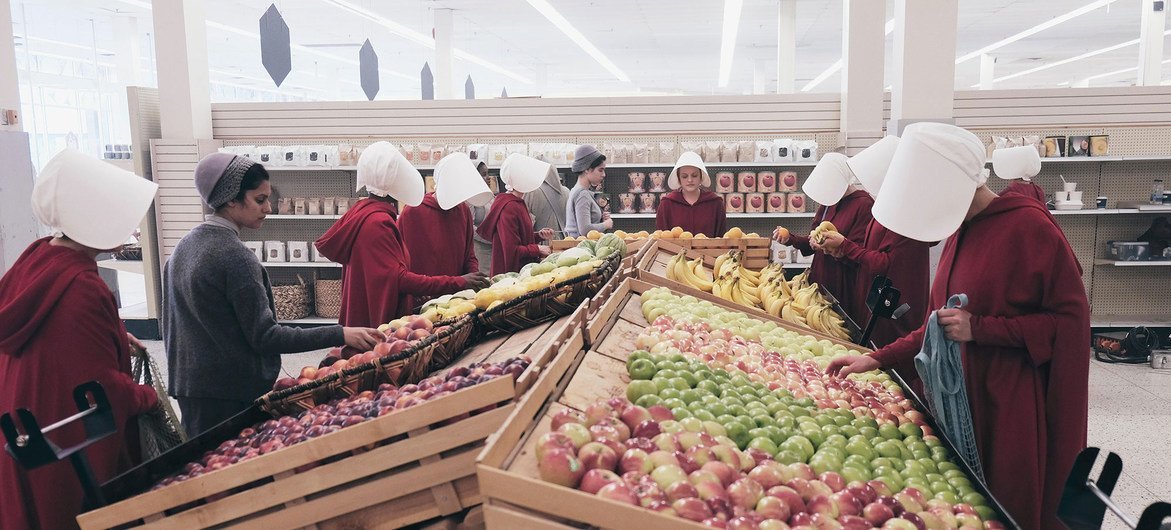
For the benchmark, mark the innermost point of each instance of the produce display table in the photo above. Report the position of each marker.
(515, 496)
(399, 469)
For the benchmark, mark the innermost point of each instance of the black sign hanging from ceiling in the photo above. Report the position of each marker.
(368, 70)
(504, 93)
(275, 51)
(469, 89)
(427, 82)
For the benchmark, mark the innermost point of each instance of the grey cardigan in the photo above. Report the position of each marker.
(582, 213)
(219, 323)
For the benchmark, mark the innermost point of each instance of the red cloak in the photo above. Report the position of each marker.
(851, 216)
(707, 216)
(377, 282)
(510, 229)
(439, 241)
(1027, 369)
(1027, 189)
(906, 262)
(59, 327)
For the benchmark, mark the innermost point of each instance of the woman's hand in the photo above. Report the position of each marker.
(852, 364)
(544, 250)
(607, 223)
(545, 233)
(957, 324)
(781, 235)
(135, 344)
(362, 339)
(476, 280)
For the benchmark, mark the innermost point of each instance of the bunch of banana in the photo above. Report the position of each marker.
(822, 318)
(736, 283)
(818, 234)
(692, 273)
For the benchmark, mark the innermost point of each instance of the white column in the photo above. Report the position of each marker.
(863, 47)
(180, 33)
(924, 62)
(987, 71)
(1150, 46)
(9, 79)
(126, 50)
(758, 76)
(787, 47)
(443, 72)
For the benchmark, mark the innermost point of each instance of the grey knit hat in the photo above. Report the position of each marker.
(584, 156)
(218, 177)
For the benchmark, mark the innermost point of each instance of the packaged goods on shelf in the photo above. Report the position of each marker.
(637, 181)
(518, 148)
(668, 153)
(797, 203)
(1099, 145)
(782, 253)
(777, 203)
(730, 152)
(343, 205)
(766, 181)
(746, 182)
(410, 152)
(711, 151)
(268, 155)
(257, 248)
(298, 251)
(313, 206)
(734, 203)
(763, 151)
(692, 146)
(291, 155)
(647, 202)
(754, 203)
(787, 181)
(725, 182)
(478, 153)
(783, 150)
(316, 256)
(329, 206)
(274, 252)
(300, 206)
(806, 151)
(424, 155)
(626, 203)
(496, 154)
(284, 206)
(658, 180)
(640, 154)
(604, 201)
(746, 151)
(438, 151)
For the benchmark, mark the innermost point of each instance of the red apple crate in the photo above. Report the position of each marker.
(395, 470)
(513, 494)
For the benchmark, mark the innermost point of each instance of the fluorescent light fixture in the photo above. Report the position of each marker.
(833, 68)
(137, 3)
(732, 9)
(1037, 29)
(1117, 72)
(69, 45)
(1086, 55)
(424, 40)
(1063, 83)
(543, 7)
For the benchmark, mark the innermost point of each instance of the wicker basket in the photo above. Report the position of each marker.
(327, 298)
(129, 253)
(301, 397)
(452, 341)
(292, 301)
(546, 304)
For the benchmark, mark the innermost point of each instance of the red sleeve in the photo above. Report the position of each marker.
(902, 350)
(471, 264)
(662, 216)
(1063, 306)
(106, 343)
(800, 243)
(417, 284)
(721, 220)
(514, 233)
(860, 222)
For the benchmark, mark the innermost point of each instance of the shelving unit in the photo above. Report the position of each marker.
(716, 165)
(301, 265)
(1095, 159)
(730, 216)
(1116, 263)
(281, 169)
(135, 267)
(302, 217)
(315, 321)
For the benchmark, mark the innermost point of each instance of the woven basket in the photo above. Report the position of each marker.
(546, 304)
(292, 301)
(301, 397)
(452, 341)
(129, 253)
(327, 298)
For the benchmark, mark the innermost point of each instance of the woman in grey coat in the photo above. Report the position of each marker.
(582, 212)
(482, 246)
(547, 204)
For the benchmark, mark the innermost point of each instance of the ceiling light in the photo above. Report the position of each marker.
(424, 40)
(69, 45)
(1036, 29)
(1117, 72)
(833, 68)
(1086, 55)
(562, 24)
(732, 9)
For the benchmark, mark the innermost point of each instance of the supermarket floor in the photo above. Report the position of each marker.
(1130, 414)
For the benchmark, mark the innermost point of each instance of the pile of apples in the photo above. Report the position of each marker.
(275, 434)
(401, 334)
(688, 468)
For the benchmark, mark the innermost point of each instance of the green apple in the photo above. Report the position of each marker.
(890, 431)
(763, 443)
(641, 369)
(639, 388)
(648, 400)
(855, 474)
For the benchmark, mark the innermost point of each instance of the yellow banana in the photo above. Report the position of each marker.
(696, 276)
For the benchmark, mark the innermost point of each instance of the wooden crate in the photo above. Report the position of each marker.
(403, 468)
(632, 245)
(757, 251)
(513, 494)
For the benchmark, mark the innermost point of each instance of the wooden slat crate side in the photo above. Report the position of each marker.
(568, 329)
(501, 516)
(338, 473)
(265, 466)
(406, 510)
(598, 321)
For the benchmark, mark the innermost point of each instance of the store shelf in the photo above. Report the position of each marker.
(795, 266)
(1115, 263)
(1094, 211)
(717, 165)
(310, 168)
(1095, 159)
(730, 216)
(303, 217)
(122, 265)
(1129, 321)
(303, 265)
(311, 320)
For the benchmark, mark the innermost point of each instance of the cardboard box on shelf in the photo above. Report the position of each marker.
(776, 203)
(734, 203)
(797, 203)
(725, 182)
(787, 181)
(298, 251)
(274, 252)
(754, 203)
(746, 182)
(766, 181)
(315, 255)
(257, 248)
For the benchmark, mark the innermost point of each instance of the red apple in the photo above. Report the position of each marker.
(680, 490)
(790, 496)
(735, 201)
(708, 491)
(727, 455)
(567, 416)
(597, 412)
(702, 476)
(633, 416)
(877, 513)
(692, 509)
(743, 523)
(757, 202)
(648, 494)
(773, 524)
(725, 472)
(553, 440)
(773, 508)
(660, 413)
(636, 460)
(833, 480)
(745, 493)
(915, 520)
(853, 522)
(666, 475)
(880, 488)
(646, 429)
(576, 432)
(594, 479)
(595, 455)
(824, 505)
(559, 466)
(663, 458)
(618, 492)
(790, 180)
(847, 503)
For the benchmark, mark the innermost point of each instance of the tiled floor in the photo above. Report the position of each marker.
(1130, 414)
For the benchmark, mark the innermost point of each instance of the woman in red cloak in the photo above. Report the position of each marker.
(690, 206)
(59, 327)
(509, 226)
(377, 282)
(1025, 333)
(438, 233)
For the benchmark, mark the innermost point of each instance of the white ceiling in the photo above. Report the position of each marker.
(664, 46)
